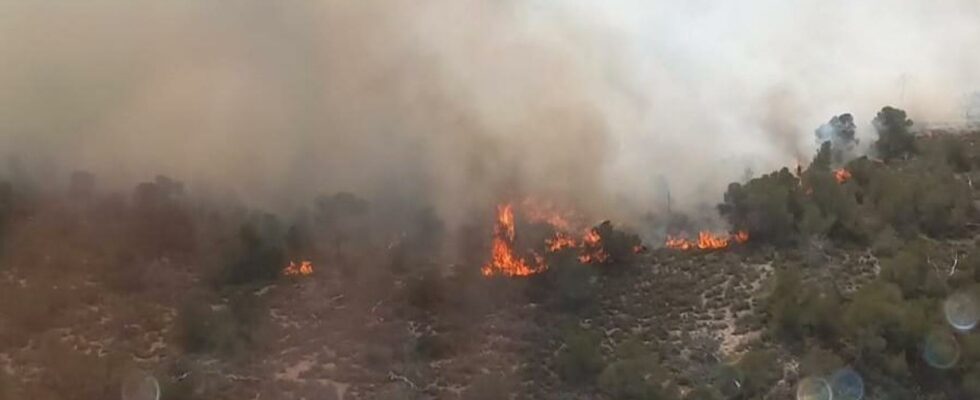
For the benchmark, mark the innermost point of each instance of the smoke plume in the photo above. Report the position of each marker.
(460, 103)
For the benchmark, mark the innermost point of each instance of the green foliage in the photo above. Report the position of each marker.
(580, 360)
(797, 311)
(910, 269)
(636, 375)
(767, 207)
(819, 362)
(757, 372)
(894, 138)
(635, 379)
(838, 136)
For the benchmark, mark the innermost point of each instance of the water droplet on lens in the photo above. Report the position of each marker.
(813, 389)
(139, 385)
(941, 350)
(847, 384)
(962, 310)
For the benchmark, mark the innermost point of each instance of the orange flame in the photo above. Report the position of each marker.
(592, 251)
(503, 260)
(741, 237)
(842, 175)
(304, 268)
(560, 241)
(706, 241)
(678, 243)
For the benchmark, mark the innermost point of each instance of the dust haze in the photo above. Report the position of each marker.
(458, 104)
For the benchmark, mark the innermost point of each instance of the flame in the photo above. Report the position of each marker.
(303, 269)
(741, 237)
(503, 260)
(592, 251)
(842, 175)
(678, 243)
(506, 261)
(560, 241)
(707, 240)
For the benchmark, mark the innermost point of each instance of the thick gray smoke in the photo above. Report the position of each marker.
(460, 103)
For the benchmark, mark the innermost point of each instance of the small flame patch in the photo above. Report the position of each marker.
(304, 268)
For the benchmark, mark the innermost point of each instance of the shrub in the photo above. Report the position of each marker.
(767, 207)
(618, 245)
(636, 375)
(758, 373)
(820, 362)
(894, 138)
(635, 379)
(580, 360)
(201, 327)
(258, 259)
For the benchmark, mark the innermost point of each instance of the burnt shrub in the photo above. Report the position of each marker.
(162, 224)
(620, 246)
(259, 257)
(205, 325)
(434, 346)
(427, 290)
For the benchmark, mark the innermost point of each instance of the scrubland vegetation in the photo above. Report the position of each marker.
(842, 270)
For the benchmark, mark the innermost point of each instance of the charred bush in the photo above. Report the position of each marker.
(619, 247)
(428, 290)
(161, 224)
(206, 325)
(258, 258)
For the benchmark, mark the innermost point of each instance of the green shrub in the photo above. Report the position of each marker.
(635, 379)
(580, 360)
(894, 137)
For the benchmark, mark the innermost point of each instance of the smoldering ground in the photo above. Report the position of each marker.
(461, 103)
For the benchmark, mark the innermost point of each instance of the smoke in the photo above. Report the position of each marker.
(460, 103)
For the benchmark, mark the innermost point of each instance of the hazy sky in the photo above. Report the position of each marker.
(460, 103)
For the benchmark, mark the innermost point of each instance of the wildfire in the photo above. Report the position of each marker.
(741, 237)
(842, 175)
(304, 268)
(560, 241)
(706, 241)
(504, 260)
(592, 251)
